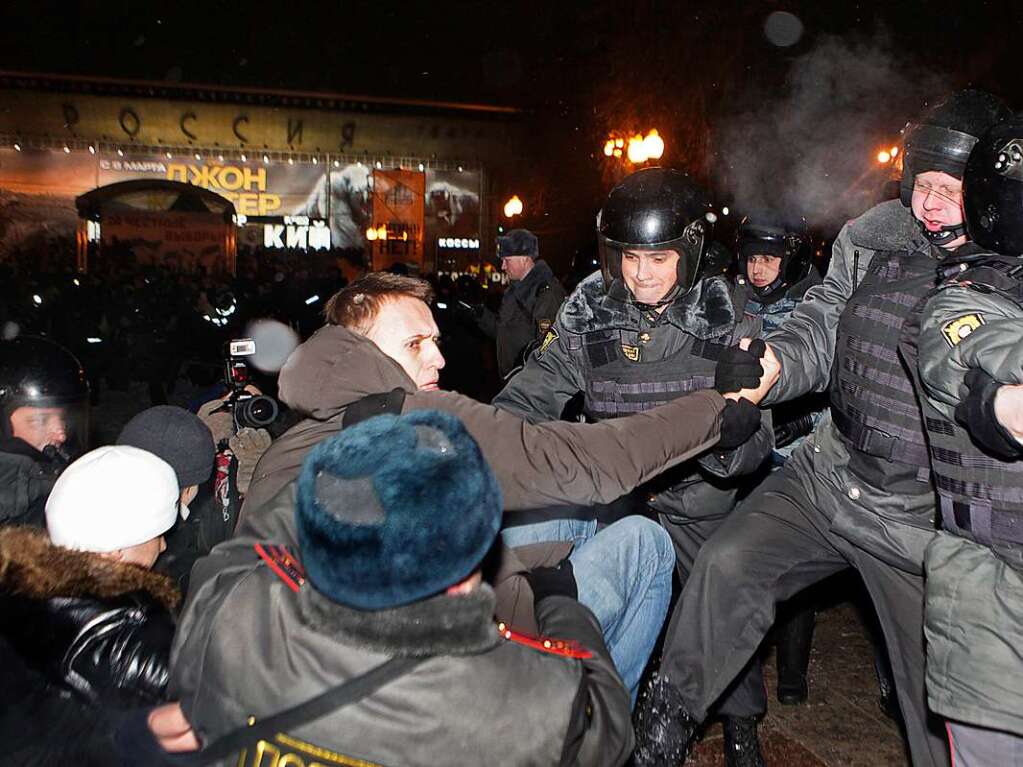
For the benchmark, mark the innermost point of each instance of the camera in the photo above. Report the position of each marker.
(249, 410)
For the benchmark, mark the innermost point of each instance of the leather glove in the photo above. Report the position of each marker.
(739, 421)
(976, 411)
(552, 581)
(248, 446)
(738, 369)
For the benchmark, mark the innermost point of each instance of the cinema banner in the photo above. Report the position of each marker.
(452, 204)
(398, 209)
(37, 201)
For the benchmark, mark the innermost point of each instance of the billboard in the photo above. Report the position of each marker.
(397, 218)
(180, 241)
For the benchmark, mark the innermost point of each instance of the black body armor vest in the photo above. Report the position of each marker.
(980, 496)
(872, 400)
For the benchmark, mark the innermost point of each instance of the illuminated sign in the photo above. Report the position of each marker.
(458, 242)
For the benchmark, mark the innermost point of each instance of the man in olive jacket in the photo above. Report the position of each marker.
(373, 587)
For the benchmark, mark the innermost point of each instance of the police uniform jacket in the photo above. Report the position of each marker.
(974, 613)
(26, 480)
(528, 309)
(253, 642)
(626, 360)
(890, 507)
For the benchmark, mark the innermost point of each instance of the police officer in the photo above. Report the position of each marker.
(855, 493)
(44, 401)
(971, 389)
(775, 270)
(530, 303)
(642, 331)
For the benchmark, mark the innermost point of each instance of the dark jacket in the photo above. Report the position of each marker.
(83, 638)
(528, 309)
(251, 646)
(26, 479)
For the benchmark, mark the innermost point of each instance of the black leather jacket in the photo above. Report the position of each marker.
(107, 633)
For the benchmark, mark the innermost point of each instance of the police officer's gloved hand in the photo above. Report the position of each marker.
(976, 411)
(739, 421)
(552, 581)
(738, 369)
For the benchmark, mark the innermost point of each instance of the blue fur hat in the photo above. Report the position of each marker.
(518, 242)
(395, 509)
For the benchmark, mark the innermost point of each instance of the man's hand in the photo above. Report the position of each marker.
(991, 414)
(769, 364)
(739, 421)
(171, 730)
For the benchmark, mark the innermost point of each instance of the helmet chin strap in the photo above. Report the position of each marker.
(668, 298)
(944, 235)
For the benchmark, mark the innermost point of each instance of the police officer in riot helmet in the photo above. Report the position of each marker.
(774, 258)
(966, 344)
(44, 400)
(645, 329)
(854, 493)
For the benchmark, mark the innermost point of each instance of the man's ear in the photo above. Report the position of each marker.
(116, 555)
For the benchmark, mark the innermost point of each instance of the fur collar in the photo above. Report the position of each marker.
(440, 625)
(32, 567)
(889, 226)
(706, 311)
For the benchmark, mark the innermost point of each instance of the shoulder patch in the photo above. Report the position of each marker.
(551, 337)
(631, 352)
(544, 325)
(959, 328)
(286, 567)
(566, 648)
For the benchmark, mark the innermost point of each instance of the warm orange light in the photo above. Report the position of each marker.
(609, 147)
(894, 151)
(619, 143)
(371, 234)
(883, 157)
(653, 144)
(637, 151)
(381, 232)
(513, 207)
(618, 153)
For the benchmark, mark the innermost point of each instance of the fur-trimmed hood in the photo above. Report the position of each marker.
(31, 566)
(706, 311)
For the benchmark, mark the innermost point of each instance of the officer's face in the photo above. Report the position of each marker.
(938, 202)
(40, 426)
(649, 274)
(516, 267)
(405, 331)
(762, 270)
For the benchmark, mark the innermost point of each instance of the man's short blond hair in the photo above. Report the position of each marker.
(356, 307)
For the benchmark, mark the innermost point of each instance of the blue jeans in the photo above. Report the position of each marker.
(623, 574)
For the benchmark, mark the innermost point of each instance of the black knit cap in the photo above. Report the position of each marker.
(177, 436)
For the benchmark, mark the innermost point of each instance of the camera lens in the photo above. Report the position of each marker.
(256, 412)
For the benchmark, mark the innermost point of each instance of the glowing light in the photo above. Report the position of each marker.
(120, 152)
(441, 305)
(883, 157)
(77, 283)
(609, 147)
(337, 163)
(291, 161)
(94, 340)
(312, 300)
(244, 158)
(37, 299)
(637, 151)
(618, 152)
(894, 151)
(724, 211)
(266, 159)
(198, 156)
(381, 232)
(654, 145)
(619, 143)
(67, 149)
(421, 167)
(92, 149)
(371, 234)
(315, 161)
(380, 165)
(459, 168)
(170, 156)
(513, 207)
(17, 147)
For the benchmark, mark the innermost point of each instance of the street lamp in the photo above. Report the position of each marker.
(513, 207)
(637, 148)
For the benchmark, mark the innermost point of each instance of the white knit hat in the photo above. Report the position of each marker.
(112, 498)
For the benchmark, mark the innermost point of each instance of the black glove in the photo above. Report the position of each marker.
(976, 411)
(739, 421)
(738, 369)
(552, 581)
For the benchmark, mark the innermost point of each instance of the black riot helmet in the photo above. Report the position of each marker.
(655, 209)
(769, 235)
(941, 140)
(993, 189)
(38, 373)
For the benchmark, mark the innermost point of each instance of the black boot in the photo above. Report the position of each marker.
(664, 729)
(742, 746)
(793, 636)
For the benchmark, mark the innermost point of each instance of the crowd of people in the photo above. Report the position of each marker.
(417, 573)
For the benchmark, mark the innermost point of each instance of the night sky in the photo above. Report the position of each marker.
(704, 74)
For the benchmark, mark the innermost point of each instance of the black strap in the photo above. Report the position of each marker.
(373, 405)
(352, 691)
(879, 444)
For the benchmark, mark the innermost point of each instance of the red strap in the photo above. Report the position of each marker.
(279, 560)
(567, 648)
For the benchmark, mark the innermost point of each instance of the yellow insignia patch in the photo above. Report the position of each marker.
(551, 337)
(959, 328)
(631, 352)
